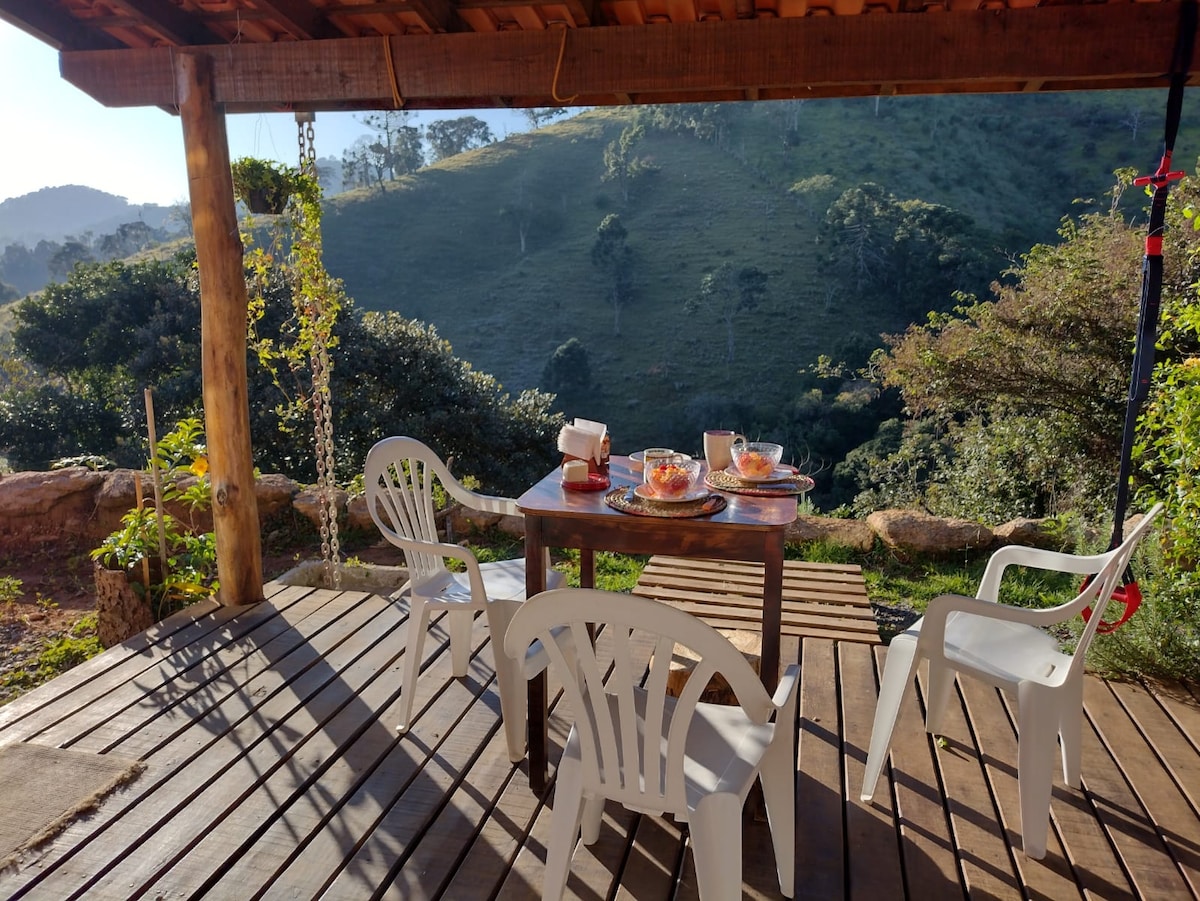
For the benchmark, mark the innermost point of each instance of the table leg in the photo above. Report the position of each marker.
(538, 737)
(772, 609)
(587, 568)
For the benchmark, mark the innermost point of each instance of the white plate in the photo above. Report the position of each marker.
(643, 491)
(778, 475)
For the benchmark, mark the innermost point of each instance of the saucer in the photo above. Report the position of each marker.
(777, 475)
(644, 492)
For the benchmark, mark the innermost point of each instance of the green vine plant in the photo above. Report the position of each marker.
(294, 257)
(189, 571)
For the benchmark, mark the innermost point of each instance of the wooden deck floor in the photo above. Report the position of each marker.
(274, 771)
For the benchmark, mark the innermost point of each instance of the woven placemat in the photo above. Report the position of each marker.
(793, 484)
(640, 506)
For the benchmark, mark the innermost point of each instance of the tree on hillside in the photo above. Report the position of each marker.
(913, 254)
(127, 240)
(520, 211)
(568, 374)
(729, 291)
(538, 116)
(621, 163)
(613, 257)
(397, 149)
(67, 257)
(450, 137)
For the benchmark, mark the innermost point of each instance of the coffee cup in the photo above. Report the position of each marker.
(716, 448)
(652, 455)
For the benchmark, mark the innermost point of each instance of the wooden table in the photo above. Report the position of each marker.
(749, 528)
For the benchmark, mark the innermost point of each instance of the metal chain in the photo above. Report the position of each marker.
(322, 400)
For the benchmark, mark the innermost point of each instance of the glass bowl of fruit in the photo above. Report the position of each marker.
(672, 478)
(755, 460)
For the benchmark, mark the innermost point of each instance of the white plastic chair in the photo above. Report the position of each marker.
(1008, 648)
(633, 743)
(400, 474)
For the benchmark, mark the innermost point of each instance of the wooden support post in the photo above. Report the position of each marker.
(223, 304)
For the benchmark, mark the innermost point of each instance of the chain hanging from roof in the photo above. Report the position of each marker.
(322, 404)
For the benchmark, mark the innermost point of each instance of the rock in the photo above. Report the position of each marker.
(307, 503)
(274, 493)
(40, 506)
(917, 532)
(358, 516)
(851, 533)
(717, 691)
(1029, 533)
(463, 521)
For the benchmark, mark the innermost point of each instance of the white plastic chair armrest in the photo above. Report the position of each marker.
(485, 503)
(455, 552)
(1034, 558)
(787, 692)
(933, 629)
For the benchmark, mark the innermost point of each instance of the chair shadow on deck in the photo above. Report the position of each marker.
(273, 758)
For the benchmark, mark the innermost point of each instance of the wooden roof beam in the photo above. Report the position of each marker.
(1094, 46)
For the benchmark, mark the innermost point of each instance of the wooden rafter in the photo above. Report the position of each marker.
(176, 26)
(54, 27)
(301, 19)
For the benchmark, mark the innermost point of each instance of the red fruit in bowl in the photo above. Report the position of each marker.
(671, 480)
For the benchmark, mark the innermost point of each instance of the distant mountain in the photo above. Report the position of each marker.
(53, 214)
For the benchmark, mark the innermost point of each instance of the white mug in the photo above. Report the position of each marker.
(716, 448)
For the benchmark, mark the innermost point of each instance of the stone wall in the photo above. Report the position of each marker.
(79, 506)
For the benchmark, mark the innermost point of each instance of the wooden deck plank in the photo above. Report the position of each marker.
(819, 600)
(997, 740)
(931, 868)
(360, 782)
(819, 848)
(123, 709)
(874, 853)
(985, 859)
(1166, 812)
(1171, 788)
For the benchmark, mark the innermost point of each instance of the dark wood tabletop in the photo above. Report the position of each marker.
(748, 528)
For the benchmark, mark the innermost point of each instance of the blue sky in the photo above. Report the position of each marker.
(54, 134)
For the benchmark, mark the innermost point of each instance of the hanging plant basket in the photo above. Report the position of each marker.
(263, 186)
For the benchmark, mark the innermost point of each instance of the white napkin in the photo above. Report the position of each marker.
(583, 439)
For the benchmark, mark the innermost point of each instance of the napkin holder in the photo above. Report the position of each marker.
(586, 441)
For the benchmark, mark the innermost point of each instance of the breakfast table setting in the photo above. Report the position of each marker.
(735, 503)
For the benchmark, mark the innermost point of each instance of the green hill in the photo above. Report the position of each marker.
(443, 245)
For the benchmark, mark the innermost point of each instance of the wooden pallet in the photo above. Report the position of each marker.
(823, 600)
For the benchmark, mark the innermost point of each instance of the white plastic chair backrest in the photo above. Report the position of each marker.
(617, 762)
(399, 476)
(1099, 591)
(1106, 572)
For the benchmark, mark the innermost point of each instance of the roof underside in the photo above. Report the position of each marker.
(273, 55)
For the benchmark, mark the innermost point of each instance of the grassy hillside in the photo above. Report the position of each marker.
(438, 246)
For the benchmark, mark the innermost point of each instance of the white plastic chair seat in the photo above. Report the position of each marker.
(1008, 647)
(504, 580)
(1003, 653)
